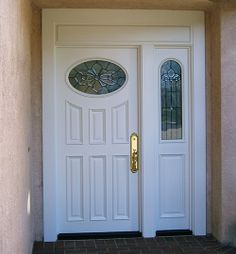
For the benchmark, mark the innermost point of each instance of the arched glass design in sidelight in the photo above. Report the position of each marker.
(171, 101)
(97, 77)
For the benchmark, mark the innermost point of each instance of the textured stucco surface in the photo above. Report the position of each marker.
(214, 121)
(208, 116)
(221, 115)
(15, 127)
(228, 124)
(127, 4)
(36, 109)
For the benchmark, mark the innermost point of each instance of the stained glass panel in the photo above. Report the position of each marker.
(97, 77)
(171, 101)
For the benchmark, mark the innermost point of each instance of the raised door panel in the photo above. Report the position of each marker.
(75, 191)
(97, 126)
(120, 124)
(74, 124)
(98, 188)
(121, 190)
(171, 186)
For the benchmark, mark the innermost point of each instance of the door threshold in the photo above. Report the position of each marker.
(99, 235)
(173, 232)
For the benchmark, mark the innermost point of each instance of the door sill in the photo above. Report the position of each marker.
(173, 232)
(100, 235)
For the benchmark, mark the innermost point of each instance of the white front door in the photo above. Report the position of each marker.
(96, 190)
(107, 74)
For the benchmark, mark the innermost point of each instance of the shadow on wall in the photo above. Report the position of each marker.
(231, 234)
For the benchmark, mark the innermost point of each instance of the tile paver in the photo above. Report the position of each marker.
(157, 245)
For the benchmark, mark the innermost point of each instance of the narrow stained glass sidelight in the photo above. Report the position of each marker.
(97, 77)
(171, 101)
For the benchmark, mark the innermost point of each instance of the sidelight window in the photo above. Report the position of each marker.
(171, 100)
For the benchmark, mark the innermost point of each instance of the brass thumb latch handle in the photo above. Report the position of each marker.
(134, 153)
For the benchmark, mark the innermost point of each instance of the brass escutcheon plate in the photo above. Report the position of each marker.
(134, 152)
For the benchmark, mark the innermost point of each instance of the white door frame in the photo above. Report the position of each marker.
(189, 33)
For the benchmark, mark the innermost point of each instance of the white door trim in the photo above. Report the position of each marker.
(189, 34)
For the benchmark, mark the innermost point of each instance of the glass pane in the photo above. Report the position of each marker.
(97, 77)
(171, 101)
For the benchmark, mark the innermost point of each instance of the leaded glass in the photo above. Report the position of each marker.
(171, 101)
(97, 77)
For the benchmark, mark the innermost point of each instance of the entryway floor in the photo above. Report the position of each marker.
(162, 245)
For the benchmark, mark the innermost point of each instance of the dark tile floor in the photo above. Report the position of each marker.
(161, 245)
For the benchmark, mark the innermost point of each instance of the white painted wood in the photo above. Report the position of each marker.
(102, 212)
(190, 24)
(172, 206)
(198, 126)
(97, 126)
(120, 124)
(173, 156)
(171, 186)
(148, 162)
(83, 34)
(74, 125)
(98, 188)
(74, 178)
(120, 190)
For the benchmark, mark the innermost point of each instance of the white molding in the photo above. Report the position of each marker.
(148, 161)
(192, 19)
(198, 130)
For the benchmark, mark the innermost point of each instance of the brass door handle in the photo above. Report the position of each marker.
(134, 153)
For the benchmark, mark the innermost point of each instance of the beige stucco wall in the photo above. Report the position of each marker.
(36, 109)
(15, 127)
(221, 52)
(228, 124)
(128, 4)
(213, 86)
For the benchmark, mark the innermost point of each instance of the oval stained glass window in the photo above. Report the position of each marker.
(97, 77)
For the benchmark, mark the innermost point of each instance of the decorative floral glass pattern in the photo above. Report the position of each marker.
(171, 101)
(97, 77)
